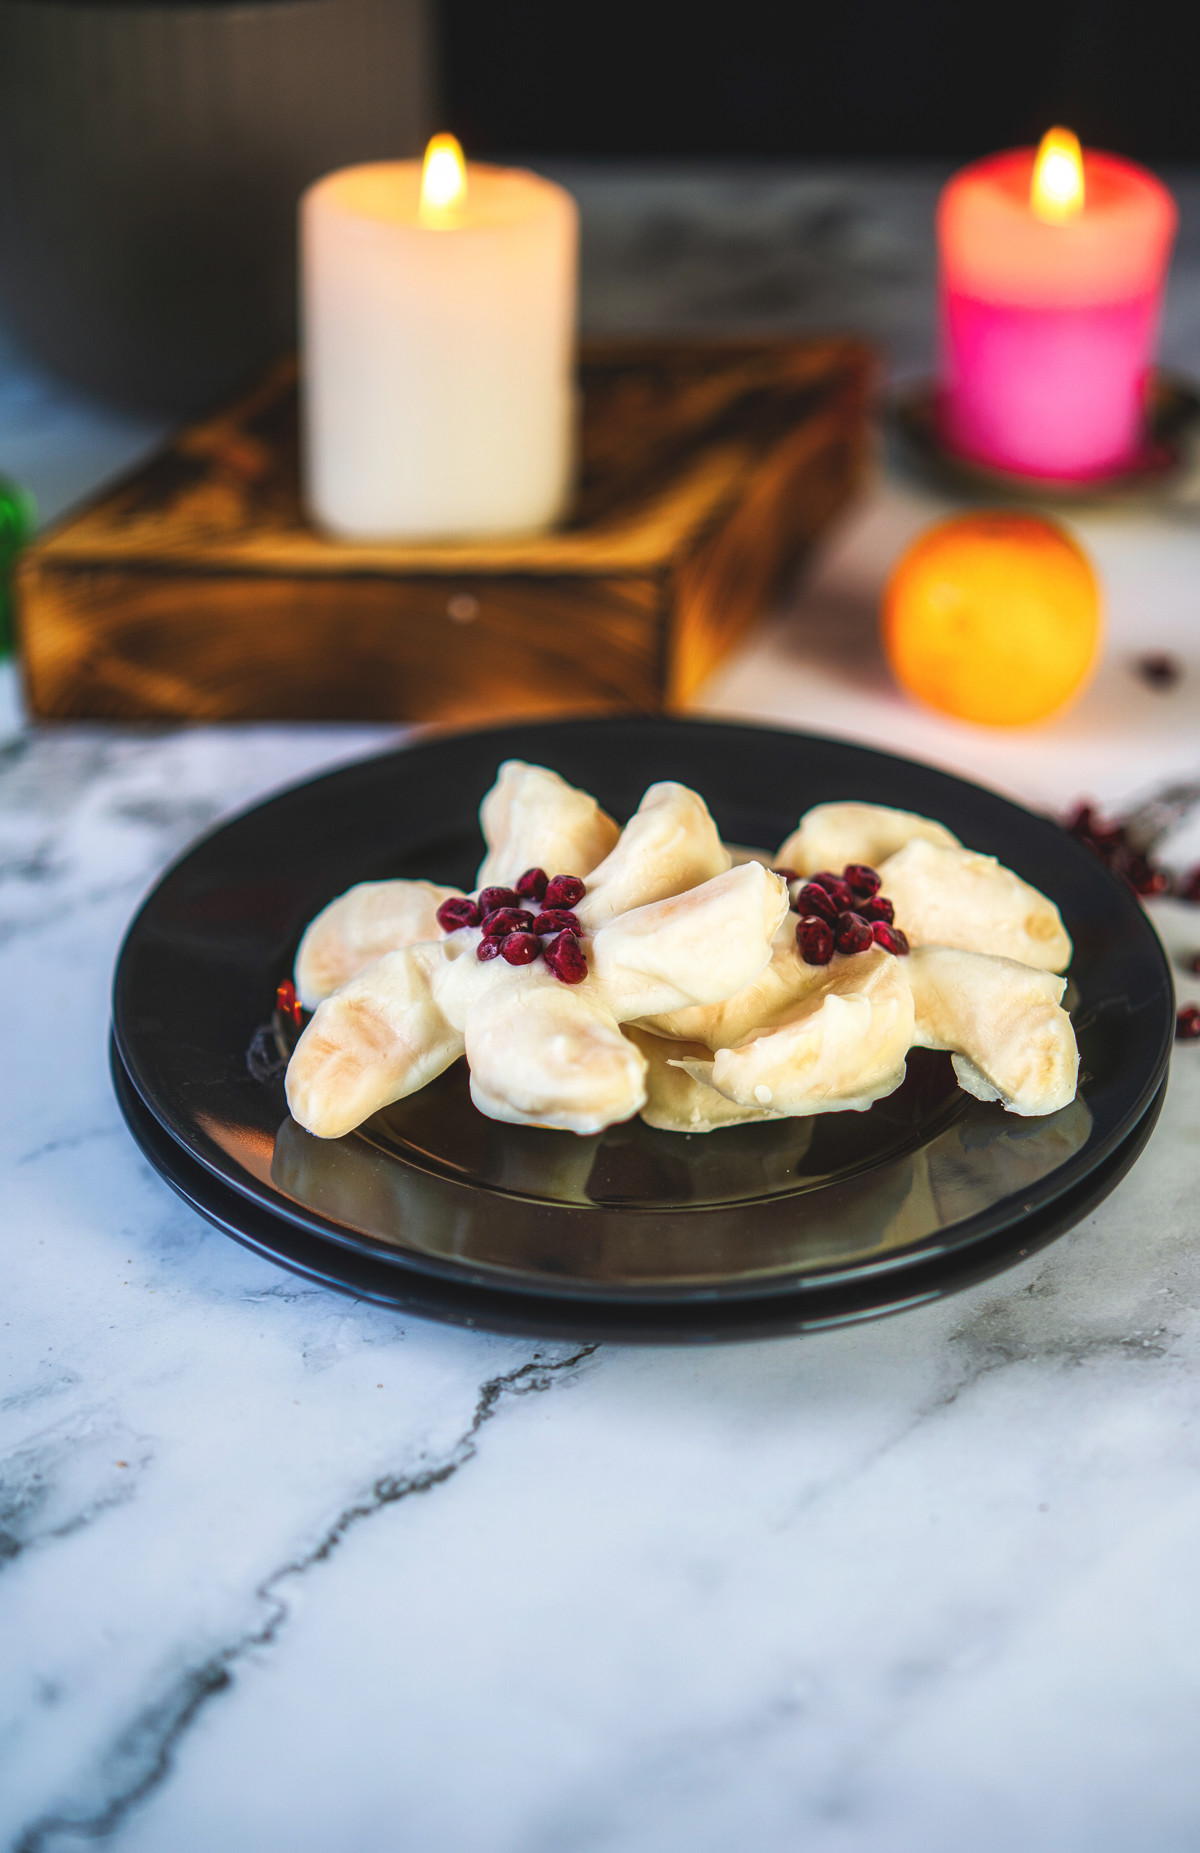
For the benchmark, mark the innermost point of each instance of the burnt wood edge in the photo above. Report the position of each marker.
(221, 436)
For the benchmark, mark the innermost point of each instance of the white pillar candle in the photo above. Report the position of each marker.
(437, 349)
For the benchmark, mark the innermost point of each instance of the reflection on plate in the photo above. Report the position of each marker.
(815, 1305)
(843, 1190)
(631, 1217)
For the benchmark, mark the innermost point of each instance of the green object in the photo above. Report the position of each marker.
(18, 517)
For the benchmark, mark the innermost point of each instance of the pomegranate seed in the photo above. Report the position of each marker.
(520, 948)
(506, 920)
(1159, 669)
(492, 898)
(863, 881)
(1193, 963)
(837, 890)
(459, 911)
(852, 933)
(564, 956)
(1187, 1023)
(1189, 887)
(488, 949)
(814, 940)
(889, 937)
(1143, 878)
(814, 900)
(787, 874)
(556, 920)
(288, 1004)
(562, 891)
(532, 885)
(878, 908)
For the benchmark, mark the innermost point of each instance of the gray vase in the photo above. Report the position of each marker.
(151, 158)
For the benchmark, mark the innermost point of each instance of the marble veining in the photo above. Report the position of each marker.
(141, 1756)
(894, 1587)
(910, 1587)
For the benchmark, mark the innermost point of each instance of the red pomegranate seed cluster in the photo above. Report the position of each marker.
(844, 913)
(1111, 843)
(544, 926)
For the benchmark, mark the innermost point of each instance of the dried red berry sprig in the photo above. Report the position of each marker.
(1110, 841)
(844, 913)
(519, 934)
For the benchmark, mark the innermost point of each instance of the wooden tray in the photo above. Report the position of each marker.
(196, 589)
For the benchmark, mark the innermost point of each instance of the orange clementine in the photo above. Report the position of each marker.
(993, 617)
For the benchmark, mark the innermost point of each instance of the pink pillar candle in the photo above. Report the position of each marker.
(1048, 329)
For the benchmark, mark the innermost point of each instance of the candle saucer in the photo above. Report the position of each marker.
(1166, 460)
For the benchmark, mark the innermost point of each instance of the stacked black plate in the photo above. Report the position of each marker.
(785, 1226)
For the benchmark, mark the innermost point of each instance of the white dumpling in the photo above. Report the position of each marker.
(692, 948)
(1003, 1021)
(840, 1048)
(669, 844)
(359, 927)
(531, 818)
(550, 1054)
(378, 1039)
(675, 1100)
(781, 983)
(831, 835)
(954, 897)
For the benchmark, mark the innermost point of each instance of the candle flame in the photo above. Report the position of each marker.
(1056, 192)
(443, 180)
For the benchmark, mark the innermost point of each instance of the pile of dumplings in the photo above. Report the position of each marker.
(697, 1011)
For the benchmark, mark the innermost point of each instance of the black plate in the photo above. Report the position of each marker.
(634, 1216)
(813, 1307)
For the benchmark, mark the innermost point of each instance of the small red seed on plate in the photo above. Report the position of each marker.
(889, 937)
(852, 933)
(520, 948)
(861, 879)
(459, 911)
(556, 920)
(814, 900)
(492, 898)
(488, 949)
(814, 940)
(506, 920)
(877, 908)
(288, 1004)
(564, 956)
(532, 885)
(562, 891)
(1187, 1023)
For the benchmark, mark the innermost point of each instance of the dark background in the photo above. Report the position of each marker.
(860, 78)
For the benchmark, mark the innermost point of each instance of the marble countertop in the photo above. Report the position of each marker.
(278, 1569)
